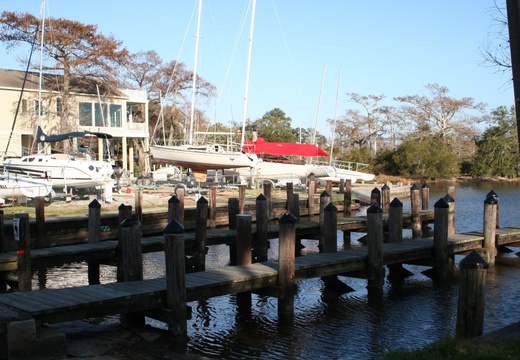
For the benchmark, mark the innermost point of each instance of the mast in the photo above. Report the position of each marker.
(194, 87)
(335, 116)
(40, 85)
(247, 74)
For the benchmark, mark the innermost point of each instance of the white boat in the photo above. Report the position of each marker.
(12, 185)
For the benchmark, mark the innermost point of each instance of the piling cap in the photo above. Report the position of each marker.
(261, 197)
(414, 187)
(396, 203)
(173, 199)
(324, 194)
(376, 190)
(202, 200)
(492, 193)
(374, 209)
(473, 261)
(425, 186)
(385, 187)
(448, 198)
(442, 203)
(173, 227)
(94, 204)
(288, 219)
(491, 200)
(330, 207)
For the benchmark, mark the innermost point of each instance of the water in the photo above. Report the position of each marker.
(349, 326)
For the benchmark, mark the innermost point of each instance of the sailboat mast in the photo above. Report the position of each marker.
(248, 69)
(335, 116)
(40, 85)
(194, 86)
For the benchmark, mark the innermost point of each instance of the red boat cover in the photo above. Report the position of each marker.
(260, 146)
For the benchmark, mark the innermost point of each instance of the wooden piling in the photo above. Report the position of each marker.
(425, 197)
(289, 189)
(132, 259)
(376, 270)
(139, 205)
(212, 206)
(415, 202)
(489, 250)
(347, 199)
(174, 209)
(261, 237)
(440, 238)
(286, 267)
(94, 223)
(244, 257)
(385, 198)
(375, 197)
(451, 213)
(330, 226)
(328, 187)
(180, 192)
(40, 220)
(494, 195)
(471, 299)
(233, 211)
(341, 186)
(396, 272)
(124, 213)
(201, 226)
(176, 279)
(241, 198)
(23, 236)
(268, 193)
(293, 205)
(310, 201)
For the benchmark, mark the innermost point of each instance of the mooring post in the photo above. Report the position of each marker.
(425, 196)
(395, 235)
(212, 206)
(3, 285)
(94, 224)
(23, 236)
(40, 220)
(289, 189)
(241, 198)
(174, 209)
(293, 205)
(415, 202)
(139, 205)
(261, 245)
(495, 196)
(451, 213)
(268, 193)
(440, 238)
(472, 297)
(341, 186)
(233, 211)
(375, 197)
(176, 279)
(124, 213)
(201, 229)
(132, 260)
(385, 198)
(489, 251)
(324, 201)
(347, 199)
(310, 203)
(180, 192)
(376, 270)
(328, 187)
(330, 228)
(286, 267)
(244, 257)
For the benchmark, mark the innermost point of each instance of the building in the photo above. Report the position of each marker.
(122, 114)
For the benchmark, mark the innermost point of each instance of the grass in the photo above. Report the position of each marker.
(457, 349)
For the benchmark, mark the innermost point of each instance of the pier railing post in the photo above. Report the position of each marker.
(94, 223)
(40, 221)
(132, 260)
(201, 228)
(286, 267)
(124, 213)
(261, 245)
(472, 297)
(451, 213)
(244, 257)
(174, 209)
(23, 236)
(139, 205)
(176, 279)
(489, 250)
(385, 198)
(440, 238)
(415, 201)
(375, 197)
(376, 270)
(212, 206)
(324, 201)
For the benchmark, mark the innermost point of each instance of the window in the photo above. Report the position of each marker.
(85, 114)
(115, 115)
(59, 107)
(101, 118)
(36, 107)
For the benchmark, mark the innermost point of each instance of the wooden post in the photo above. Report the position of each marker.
(233, 211)
(472, 297)
(293, 205)
(330, 228)
(125, 212)
(324, 201)
(176, 279)
(244, 257)
(3, 285)
(212, 206)
(347, 199)
(385, 198)
(310, 203)
(23, 236)
(341, 186)
(139, 205)
(375, 197)
(94, 223)
(40, 220)
(201, 226)
(132, 259)
(495, 196)
(440, 238)
(450, 190)
(328, 187)
(451, 213)
(425, 197)
(396, 272)
(174, 209)
(241, 198)
(181, 194)
(268, 193)
(489, 250)
(415, 202)
(286, 268)
(290, 189)
(376, 270)
(262, 221)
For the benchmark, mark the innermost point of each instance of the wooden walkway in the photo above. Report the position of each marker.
(59, 305)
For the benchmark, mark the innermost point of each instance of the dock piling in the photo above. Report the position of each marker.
(23, 236)
(489, 250)
(261, 245)
(286, 267)
(376, 270)
(94, 223)
(201, 226)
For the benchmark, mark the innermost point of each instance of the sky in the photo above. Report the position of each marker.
(306, 55)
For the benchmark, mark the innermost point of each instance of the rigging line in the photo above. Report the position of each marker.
(335, 117)
(289, 54)
(194, 86)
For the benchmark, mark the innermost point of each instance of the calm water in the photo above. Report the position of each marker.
(348, 326)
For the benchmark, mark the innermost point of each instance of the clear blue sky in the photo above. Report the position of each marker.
(392, 48)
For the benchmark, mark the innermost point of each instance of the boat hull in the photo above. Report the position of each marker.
(13, 186)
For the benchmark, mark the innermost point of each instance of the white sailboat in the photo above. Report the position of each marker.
(12, 186)
(205, 156)
(65, 171)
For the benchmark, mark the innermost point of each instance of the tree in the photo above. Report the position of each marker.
(438, 114)
(497, 148)
(78, 51)
(274, 125)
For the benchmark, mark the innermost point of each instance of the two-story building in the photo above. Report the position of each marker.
(122, 114)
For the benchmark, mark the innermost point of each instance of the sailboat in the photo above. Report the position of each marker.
(206, 156)
(65, 171)
(13, 186)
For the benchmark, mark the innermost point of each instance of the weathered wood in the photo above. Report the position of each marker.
(375, 197)
(328, 187)
(471, 299)
(176, 279)
(341, 186)
(233, 211)
(311, 190)
(451, 213)
(385, 198)
(293, 205)
(201, 234)
(139, 205)
(347, 199)
(330, 226)
(268, 193)
(180, 192)
(241, 198)
(415, 202)
(40, 219)
(212, 206)
(286, 267)
(174, 209)
(494, 195)
(94, 223)
(124, 213)
(324, 201)
(425, 197)
(131, 260)
(24, 252)
(440, 238)
(375, 268)
(289, 189)
(262, 222)
(490, 217)
(244, 257)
